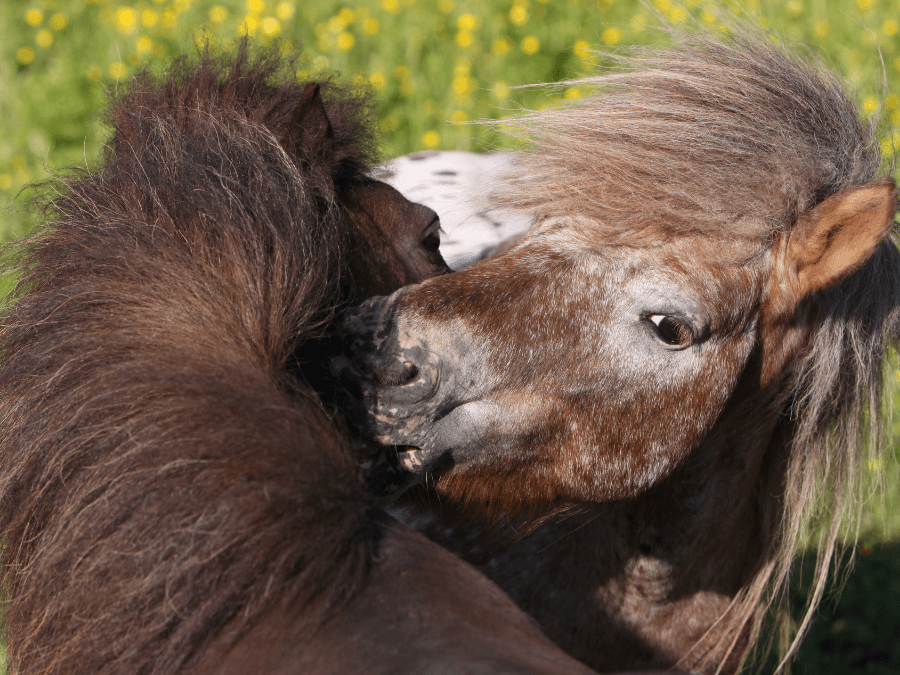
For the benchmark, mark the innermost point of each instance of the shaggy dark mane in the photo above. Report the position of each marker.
(144, 386)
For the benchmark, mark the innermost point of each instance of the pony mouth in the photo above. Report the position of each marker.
(397, 469)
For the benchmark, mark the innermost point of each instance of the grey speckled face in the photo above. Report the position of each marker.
(599, 369)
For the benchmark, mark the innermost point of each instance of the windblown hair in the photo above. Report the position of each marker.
(688, 139)
(735, 137)
(162, 474)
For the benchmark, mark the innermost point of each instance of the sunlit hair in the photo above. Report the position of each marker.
(732, 136)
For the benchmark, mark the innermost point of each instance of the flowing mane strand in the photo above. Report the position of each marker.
(730, 139)
(735, 137)
(162, 475)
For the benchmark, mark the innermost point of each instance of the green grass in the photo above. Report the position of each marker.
(432, 63)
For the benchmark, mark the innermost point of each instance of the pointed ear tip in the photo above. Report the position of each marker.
(887, 184)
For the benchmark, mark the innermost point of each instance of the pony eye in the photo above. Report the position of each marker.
(671, 330)
(432, 242)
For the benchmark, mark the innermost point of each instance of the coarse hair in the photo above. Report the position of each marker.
(163, 473)
(732, 135)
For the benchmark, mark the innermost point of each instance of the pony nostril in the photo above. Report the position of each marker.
(395, 374)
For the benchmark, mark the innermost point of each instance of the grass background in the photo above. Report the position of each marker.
(432, 63)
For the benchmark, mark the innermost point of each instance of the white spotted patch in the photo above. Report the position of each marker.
(458, 186)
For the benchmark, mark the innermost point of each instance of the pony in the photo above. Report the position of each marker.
(634, 418)
(175, 495)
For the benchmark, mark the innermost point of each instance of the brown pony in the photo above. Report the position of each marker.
(174, 496)
(632, 418)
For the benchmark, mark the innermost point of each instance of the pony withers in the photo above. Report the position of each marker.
(630, 418)
(174, 495)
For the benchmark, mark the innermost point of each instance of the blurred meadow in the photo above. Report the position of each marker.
(432, 64)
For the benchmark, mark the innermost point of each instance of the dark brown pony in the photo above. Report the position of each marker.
(174, 496)
(684, 356)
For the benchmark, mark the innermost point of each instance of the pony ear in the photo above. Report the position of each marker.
(310, 132)
(841, 234)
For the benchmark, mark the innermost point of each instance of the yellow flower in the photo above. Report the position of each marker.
(285, 10)
(864, 4)
(463, 38)
(44, 38)
(530, 45)
(392, 6)
(346, 16)
(466, 22)
(892, 101)
(377, 80)
(572, 93)
(677, 15)
(248, 26)
(217, 13)
(874, 464)
(462, 85)
(795, 7)
(58, 21)
(459, 116)
(345, 41)
(256, 6)
(144, 45)
(401, 73)
(117, 70)
(271, 27)
(500, 46)
(93, 73)
(518, 15)
(126, 20)
(662, 5)
(5, 181)
(25, 55)
(34, 17)
(708, 18)
(500, 90)
(611, 36)
(445, 6)
(431, 139)
(371, 26)
(150, 18)
(582, 49)
(890, 27)
(407, 88)
(870, 103)
(821, 28)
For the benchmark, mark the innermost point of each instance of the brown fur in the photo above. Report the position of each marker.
(714, 132)
(173, 495)
(698, 166)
